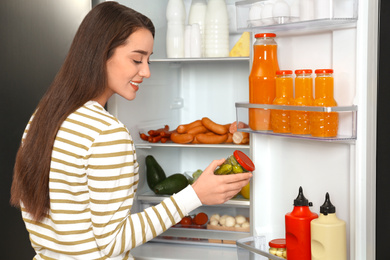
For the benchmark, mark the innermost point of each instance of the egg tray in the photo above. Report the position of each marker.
(236, 229)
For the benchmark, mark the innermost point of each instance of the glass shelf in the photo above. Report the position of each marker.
(190, 60)
(347, 121)
(150, 197)
(147, 145)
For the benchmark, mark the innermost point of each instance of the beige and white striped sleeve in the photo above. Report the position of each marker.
(112, 170)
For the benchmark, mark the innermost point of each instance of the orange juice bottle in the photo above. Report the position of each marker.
(324, 124)
(300, 120)
(280, 119)
(262, 80)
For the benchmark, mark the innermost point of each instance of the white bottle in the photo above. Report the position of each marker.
(216, 29)
(328, 234)
(197, 15)
(176, 16)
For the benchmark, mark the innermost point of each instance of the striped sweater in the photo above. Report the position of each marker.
(93, 180)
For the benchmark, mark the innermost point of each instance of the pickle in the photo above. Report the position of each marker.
(224, 169)
(233, 160)
(237, 169)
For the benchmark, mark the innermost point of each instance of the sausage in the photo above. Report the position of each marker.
(144, 136)
(211, 138)
(235, 126)
(158, 131)
(164, 139)
(181, 129)
(230, 138)
(214, 127)
(181, 138)
(156, 139)
(241, 138)
(197, 130)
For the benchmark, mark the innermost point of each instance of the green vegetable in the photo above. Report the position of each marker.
(237, 169)
(224, 169)
(154, 173)
(196, 174)
(172, 184)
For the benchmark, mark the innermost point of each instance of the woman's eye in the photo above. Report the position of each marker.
(137, 61)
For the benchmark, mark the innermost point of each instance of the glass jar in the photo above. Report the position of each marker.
(238, 162)
(278, 247)
(300, 120)
(280, 119)
(262, 80)
(324, 124)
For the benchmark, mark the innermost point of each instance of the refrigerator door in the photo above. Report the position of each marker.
(35, 37)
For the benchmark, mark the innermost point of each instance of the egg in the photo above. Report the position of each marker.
(266, 13)
(280, 9)
(255, 14)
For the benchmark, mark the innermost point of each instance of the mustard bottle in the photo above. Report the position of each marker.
(328, 234)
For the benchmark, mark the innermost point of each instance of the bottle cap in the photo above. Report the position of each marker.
(244, 160)
(283, 72)
(327, 207)
(264, 35)
(323, 71)
(278, 243)
(301, 200)
(304, 71)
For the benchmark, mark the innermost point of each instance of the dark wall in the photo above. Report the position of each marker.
(34, 39)
(383, 135)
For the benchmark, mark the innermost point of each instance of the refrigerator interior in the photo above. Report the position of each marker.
(181, 91)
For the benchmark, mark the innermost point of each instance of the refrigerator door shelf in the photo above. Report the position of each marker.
(254, 248)
(346, 128)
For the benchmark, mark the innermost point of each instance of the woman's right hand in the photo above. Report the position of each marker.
(216, 189)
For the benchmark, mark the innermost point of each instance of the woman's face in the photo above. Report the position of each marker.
(128, 66)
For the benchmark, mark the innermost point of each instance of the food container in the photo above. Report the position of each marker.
(238, 162)
(278, 247)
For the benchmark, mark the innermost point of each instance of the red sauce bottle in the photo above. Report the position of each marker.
(298, 240)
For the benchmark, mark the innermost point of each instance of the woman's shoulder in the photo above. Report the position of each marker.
(95, 114)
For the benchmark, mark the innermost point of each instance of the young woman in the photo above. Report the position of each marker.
(76, 171)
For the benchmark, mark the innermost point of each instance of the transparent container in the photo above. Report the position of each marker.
(278, 247)
(238, 162)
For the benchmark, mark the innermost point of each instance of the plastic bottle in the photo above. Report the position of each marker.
(197, 15)
(176, 16)
(324, 124)
(216, 34)
(262, 80)
(297, 222)
(280, 119)
(300, 120)
(328, 234)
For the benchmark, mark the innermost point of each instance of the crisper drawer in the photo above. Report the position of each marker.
(207, 234)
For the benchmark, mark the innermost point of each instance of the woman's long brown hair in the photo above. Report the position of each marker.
(81, 78)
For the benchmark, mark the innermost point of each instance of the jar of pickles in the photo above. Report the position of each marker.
(238, 162)
(278, 247)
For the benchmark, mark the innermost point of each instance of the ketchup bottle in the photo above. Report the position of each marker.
(298, 241)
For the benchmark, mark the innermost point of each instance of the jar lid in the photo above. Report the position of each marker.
(244, 160)
(283, 72)
(264, 35)
(304, 71)
(324, 71)
(278, 243)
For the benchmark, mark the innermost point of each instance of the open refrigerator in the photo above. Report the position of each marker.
(186, 89)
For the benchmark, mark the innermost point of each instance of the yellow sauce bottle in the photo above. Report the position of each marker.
(328, 234)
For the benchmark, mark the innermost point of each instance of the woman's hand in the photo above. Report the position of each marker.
(216, 189)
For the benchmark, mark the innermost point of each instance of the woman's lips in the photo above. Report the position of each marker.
(135, 84)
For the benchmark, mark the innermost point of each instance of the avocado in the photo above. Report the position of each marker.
(172, 184)
(154, 173)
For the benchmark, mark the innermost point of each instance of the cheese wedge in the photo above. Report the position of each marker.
(242, 46)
